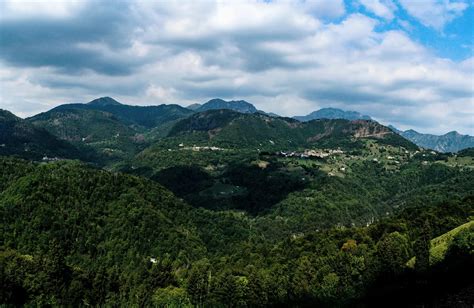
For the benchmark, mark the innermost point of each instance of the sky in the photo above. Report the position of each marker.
(409, 63)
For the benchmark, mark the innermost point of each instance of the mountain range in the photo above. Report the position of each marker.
(169, 207)
(449, 142)
(118, 130)
(217, 103)
(230, 128)
(107, 131)
(142, 116)
(332, 113)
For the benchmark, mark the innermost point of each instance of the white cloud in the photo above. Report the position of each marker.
(14, 9)
(324, 8)
(434, 13)
(281, 56)
(382, 8)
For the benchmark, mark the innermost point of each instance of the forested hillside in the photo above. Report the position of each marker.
(230, 209)
(96, 237)
(145, 116)
(101, 134)
(20, 138)
(233, 129)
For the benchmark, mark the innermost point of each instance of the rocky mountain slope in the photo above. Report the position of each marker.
(234, 128)
(449, 142)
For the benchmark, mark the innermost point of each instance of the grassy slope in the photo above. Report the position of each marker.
(440, 244)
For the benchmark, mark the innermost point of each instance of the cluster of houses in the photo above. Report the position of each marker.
(310, 153)
(48, 159)
(196, 148)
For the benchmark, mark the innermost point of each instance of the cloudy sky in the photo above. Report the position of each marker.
(409, 63)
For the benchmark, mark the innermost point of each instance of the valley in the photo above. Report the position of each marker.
(110, 204)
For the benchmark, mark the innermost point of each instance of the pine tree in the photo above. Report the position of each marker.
(422, 248)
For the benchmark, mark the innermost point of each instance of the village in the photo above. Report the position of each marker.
(315, 154)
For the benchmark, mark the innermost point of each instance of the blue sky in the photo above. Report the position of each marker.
(408, 63)
(454, 40)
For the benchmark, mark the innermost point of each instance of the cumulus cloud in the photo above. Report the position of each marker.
(381, 8)
(434, 13)
(288, 57)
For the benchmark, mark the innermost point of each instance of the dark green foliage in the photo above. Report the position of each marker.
(469, 152)
(199, 282)
(422, 247)
(393, 250)
(75, 235)
(184, 180)
(265, 187)
(461, 250)
(146, 116)
(78, 125)
(61, 196)
(228, 128)
(100, 133)
(20, 138)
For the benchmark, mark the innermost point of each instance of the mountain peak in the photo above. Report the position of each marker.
(217, 103)
(194, 106)
(104, 101)
(449, 142)
(333, 113)
(6, 115)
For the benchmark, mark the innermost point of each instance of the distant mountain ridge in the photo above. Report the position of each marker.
(161, 118)
(194, 107)
(86, 125)
(104, 101)
(235, 129)
(217, 103)
(145, 116)
(449, 142)
(106, 129)
(333, 113)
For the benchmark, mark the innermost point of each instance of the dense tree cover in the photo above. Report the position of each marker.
(22, 139)
(145, 116)
(210, 215)
(100, 134)
(73, 235)
(469, 152)
(110, 134)
(230, 129)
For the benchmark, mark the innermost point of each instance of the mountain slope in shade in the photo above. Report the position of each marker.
(145, 116)
(450, 142)
(97, 131)
(18, 137)
(81, 125)
(230, 128)
(194, 107)
(217, 103)
(104, 101)
(332, 113)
